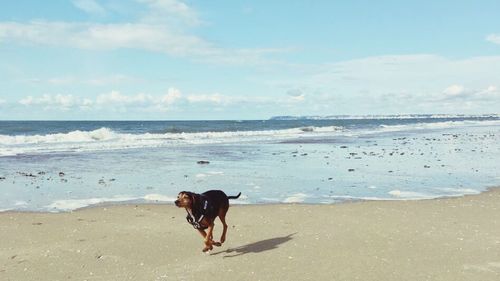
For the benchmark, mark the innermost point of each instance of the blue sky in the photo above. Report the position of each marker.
(176, 60)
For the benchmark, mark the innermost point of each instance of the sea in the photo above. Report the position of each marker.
(60, 166)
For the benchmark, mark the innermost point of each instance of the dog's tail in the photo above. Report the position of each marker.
(234, 197)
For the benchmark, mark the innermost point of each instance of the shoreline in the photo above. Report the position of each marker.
(342, 202)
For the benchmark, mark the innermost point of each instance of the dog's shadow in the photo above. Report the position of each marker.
(257, 247)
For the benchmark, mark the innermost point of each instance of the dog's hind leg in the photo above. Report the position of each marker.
(218, 244)
(222, 217)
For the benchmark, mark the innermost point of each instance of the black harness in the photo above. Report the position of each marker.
(196, 216)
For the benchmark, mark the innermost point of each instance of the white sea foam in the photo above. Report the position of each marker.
(268, 199)
(460, 191)
(209, 174)
(20, 203)
(159, 198)
(410, 195)
(73, 204)
(296, 198)
(243, 200)
(215, 173)
(364, 198)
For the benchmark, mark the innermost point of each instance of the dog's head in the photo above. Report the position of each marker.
(185, 199)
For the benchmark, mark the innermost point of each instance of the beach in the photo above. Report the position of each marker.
(356, 142)
(438, 239)
(341, 199)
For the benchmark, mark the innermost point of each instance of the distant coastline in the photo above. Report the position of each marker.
(390, 116)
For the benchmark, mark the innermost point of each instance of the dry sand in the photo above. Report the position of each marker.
(446, 239)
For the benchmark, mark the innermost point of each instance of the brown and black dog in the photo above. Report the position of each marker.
(202, 209)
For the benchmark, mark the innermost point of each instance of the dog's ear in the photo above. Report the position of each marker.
(181, 193)
(193, 198)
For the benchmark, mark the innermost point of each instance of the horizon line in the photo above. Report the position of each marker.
(276, 117)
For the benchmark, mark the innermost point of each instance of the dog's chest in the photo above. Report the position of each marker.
(200, 217)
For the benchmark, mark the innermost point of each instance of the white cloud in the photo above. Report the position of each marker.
(493, 38)
(61, 80)
(490, 94)
(423, 71)
(107, 101)
(141, 101)
(63, 102)
(115, 101)
(296, 95)
(111, 79)
(2, 101)
(457, 92)
(94, 81)
(453, 91)
(161, 10)
(102, 36)
(211, 98)
(172, 95)
(376, 85)
(115, 98)
(397, 84)
(86, 104)
(90, 6)
(453, 99)
(164, 28)
(226, 100)
(142, 36)
(298, 98)
(295, 92)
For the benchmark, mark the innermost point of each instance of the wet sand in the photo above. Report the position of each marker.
(442, 239)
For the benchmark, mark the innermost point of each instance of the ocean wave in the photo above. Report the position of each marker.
(102, 134)
(107, 139)
(438, 125)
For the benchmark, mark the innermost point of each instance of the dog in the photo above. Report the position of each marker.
(202, 209)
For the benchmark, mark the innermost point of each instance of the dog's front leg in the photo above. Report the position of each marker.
(205, 237)
(209, 238)
(203, 233)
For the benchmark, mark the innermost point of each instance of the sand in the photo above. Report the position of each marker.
(443, 239)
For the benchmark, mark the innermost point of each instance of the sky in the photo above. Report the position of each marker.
(212, 60)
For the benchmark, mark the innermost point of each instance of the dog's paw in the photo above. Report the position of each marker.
(206, 249)
(217, 244)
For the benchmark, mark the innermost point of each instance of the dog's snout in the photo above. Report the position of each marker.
(176, 202)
